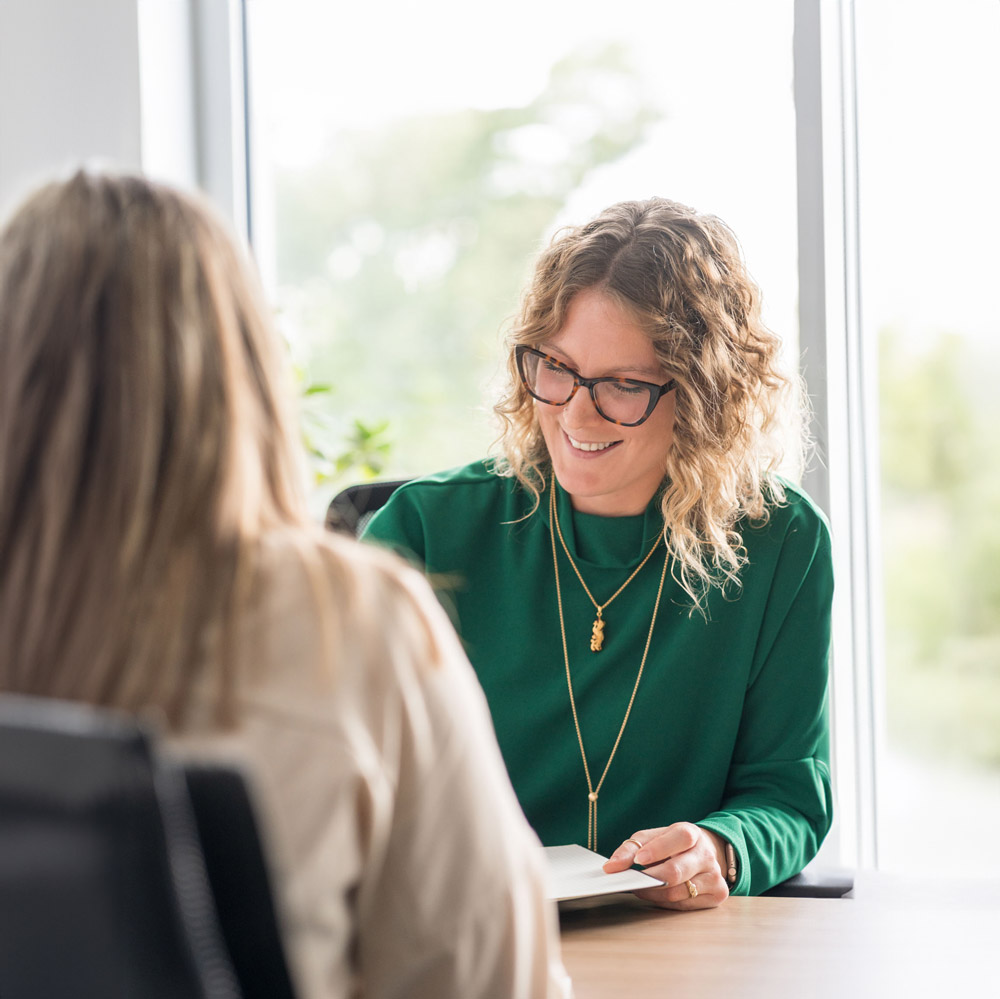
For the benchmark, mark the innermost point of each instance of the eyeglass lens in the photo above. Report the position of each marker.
(551, 383)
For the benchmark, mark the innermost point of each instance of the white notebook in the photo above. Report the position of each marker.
(576, 872)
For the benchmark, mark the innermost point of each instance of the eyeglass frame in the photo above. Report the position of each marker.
(656, 393)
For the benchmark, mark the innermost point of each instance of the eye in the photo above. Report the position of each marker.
(553, 368)
(625, 390)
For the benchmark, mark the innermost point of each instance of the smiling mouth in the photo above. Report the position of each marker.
(585, 446)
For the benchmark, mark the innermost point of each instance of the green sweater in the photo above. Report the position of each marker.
(729, 725)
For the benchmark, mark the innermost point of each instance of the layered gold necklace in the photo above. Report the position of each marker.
(597, 629)
(595, 645)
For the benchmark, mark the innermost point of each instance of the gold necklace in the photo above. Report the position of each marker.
(597, 629)
(592, 791)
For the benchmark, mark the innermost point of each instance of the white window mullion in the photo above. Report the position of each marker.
(220, 107)
(840, 369)
(193, 83)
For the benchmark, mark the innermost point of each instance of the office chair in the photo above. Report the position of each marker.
(815, 882)
(353, 507)
(237, 872)
(103, 887)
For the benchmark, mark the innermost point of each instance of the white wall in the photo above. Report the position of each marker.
(69, 89)
(155, 85)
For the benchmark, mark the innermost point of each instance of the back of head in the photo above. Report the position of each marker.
(143, 438)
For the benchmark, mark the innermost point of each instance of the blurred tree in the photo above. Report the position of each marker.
(402, 252)
(941, 545)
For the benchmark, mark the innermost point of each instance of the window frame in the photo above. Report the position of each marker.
(837, 363)
(194, 96)
(840, 366)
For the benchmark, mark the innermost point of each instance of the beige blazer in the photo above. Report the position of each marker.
(404, 865)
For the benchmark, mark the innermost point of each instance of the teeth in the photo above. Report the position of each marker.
(582, 446)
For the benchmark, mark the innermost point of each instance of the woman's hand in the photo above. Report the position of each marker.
(688, 860)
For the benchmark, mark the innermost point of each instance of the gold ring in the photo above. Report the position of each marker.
(692, 889)
(637, 843)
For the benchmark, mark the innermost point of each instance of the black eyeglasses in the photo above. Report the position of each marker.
(626, 402)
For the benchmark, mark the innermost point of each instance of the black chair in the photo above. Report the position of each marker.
(237, 871)
(815, 882)
(103, 886)
(353, 507)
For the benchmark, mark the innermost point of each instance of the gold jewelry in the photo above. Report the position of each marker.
(597, 632)
(692, 889)
(637, 843)
(592, 791)
(730, 865)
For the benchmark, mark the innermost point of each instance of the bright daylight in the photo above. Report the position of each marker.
(499, 502)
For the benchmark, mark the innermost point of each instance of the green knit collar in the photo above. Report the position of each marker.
(608, 542)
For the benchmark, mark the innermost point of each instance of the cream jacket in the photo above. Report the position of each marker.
(403, 863)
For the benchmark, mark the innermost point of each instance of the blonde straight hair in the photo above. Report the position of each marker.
(145, 447)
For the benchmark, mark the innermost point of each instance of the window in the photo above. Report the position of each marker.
(407, 168)
(929, 156)
(404, 177)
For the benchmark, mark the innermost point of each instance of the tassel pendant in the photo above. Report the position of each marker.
(597, 635)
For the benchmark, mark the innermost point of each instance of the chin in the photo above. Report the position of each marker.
(583, 487)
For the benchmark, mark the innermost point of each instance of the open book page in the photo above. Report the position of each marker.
(576, 872)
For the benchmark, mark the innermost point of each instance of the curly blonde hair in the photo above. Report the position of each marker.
(681, 275)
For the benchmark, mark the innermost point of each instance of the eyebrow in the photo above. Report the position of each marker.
(647, 374)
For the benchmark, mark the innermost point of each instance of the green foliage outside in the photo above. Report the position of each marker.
(402, 253)
(401, 257)
(941, 536)
(360, 451)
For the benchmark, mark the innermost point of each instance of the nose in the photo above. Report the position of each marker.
(580, 410)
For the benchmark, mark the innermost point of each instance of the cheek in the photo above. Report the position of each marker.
(660, 428)
(668, 436)
(543, 425)
(546, 417)
(669, 407)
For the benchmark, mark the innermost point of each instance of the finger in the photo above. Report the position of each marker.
(639, 849)
(669, 841)
(624, 856)
(691, 852)
(674, 895)
(705, 891)
(680, 867)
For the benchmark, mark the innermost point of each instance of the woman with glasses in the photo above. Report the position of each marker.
(645, 599)
(157, 556)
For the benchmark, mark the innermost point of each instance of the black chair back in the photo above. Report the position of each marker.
(103, 891)
(237, 870)
(815, 882)
(353, 507)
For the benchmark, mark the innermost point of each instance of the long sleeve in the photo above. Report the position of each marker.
(728, 727)
(777, 804)
(452, 899)
(403, 864)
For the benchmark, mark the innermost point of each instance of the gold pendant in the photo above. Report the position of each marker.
(597, 636)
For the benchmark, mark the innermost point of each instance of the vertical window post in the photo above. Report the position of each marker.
(194, 100)
(219, 35)
(841, 374)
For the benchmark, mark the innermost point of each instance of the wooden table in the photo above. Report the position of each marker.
(896, 939)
